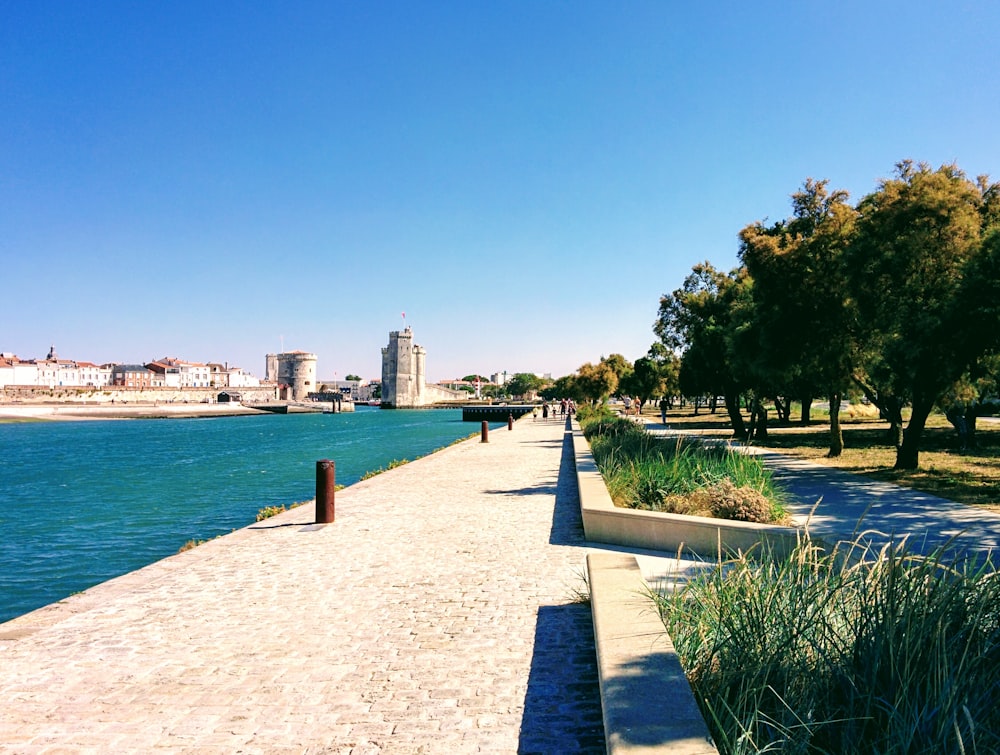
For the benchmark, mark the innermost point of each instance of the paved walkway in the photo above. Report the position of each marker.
(839, 505)
(436, 615)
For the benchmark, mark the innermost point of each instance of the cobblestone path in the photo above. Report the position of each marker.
(436, 615)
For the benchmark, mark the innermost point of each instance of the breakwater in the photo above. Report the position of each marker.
(87, 501)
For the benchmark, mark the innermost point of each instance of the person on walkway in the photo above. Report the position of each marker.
(628, 405)
(663, 410)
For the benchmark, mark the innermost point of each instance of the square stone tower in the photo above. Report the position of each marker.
(403, 379)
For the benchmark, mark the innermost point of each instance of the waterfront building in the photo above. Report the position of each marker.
(131, 376)
(14, 371)
(404, 382)
(237, 377)
(359, 391)
(171, 372)
(295, 373)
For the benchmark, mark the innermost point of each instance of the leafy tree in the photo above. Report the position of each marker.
(595, 382)
(564, 387)
(652, 375)
(619, 365)
(803, 317)
(474, 378)
(668, 365)
(523, 383)
(913, 265)
(699, 320)
(353, 377)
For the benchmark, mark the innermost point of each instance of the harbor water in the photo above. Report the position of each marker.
(90, 500)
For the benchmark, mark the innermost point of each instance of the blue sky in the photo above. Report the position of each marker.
(216, 181)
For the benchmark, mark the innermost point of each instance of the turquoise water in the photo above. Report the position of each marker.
(86, 501)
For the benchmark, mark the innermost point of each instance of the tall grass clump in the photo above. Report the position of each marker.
(680, 476)
(849, 651)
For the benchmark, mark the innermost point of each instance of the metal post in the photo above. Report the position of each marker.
(510, 421)
(325, 486)
(485, 432)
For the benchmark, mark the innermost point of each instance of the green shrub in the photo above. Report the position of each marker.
(680, 476)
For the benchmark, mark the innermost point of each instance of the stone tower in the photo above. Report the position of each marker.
(403, 379)
(296, 370)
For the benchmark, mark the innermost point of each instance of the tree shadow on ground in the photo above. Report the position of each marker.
(562, 705)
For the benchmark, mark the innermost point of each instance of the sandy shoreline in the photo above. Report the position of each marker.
(69, 412)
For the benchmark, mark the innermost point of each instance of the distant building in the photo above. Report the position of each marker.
(359, 391)
(236, 377)
(15, 371)
(403, 379)
(404, 383)
(295, 373)
(171, 372)
(132, 376)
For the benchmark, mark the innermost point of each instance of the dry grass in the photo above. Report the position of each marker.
(971, 477)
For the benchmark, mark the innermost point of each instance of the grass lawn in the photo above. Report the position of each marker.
(971, 477)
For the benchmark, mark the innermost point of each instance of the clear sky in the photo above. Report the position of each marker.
(219, 180)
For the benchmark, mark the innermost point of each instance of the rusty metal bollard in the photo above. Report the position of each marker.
(510, 421)
(485, 432)
(326, 473)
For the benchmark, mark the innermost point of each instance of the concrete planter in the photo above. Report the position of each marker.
(702, 537)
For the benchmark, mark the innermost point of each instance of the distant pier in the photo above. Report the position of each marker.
(496, 412)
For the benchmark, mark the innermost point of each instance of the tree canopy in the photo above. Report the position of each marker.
(898, 295)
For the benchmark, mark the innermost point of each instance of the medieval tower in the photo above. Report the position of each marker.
(294, 371)
(403, 380)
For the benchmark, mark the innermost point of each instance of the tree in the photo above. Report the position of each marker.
(912, 266)
(523, 384)
(655, 374)
(699, 319)
(620, 366)
(804, 344)
(353, 377)
(668, 365)
(564, 387)
(595, 382)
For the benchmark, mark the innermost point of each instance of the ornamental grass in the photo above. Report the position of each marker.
(849, 651)
(680, 476)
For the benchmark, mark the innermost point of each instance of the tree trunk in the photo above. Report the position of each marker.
(806, 410)
(908, 452)
(970, 424)
(956, 416)
(783, 407)
(735, 418)
(891, 410)
(759, 418)
(836, 434)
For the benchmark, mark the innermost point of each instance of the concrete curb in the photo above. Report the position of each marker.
(646, 700)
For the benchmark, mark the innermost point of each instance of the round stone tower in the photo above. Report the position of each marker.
(297, 370)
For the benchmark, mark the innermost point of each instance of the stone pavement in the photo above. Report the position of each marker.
(436, 615)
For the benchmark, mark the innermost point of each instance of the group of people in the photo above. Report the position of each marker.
(634, 406)
(564, 407)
